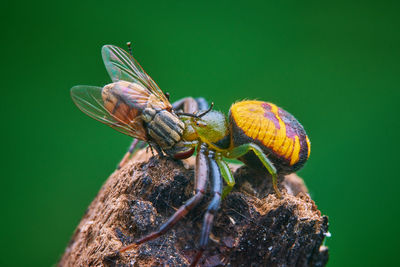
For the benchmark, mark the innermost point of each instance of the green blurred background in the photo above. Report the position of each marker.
(335, 66)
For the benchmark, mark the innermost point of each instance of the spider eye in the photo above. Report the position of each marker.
(200, 124)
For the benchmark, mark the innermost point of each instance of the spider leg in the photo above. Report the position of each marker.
(202, 103)
(243, 149)
(227, 175)
(216, 181)
(187, 104)
(190, 104)
(201, 173)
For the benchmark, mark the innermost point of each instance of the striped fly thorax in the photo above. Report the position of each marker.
(164, 127)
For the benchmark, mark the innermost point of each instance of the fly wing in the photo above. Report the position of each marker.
(121, 66)
(90, 101)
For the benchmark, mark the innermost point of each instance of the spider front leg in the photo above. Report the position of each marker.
(243, 149)
(216, 182)
(201, 174)
(190, 105)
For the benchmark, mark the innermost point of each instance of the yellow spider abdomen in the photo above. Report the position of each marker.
(280, 135)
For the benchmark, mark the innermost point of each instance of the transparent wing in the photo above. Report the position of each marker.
(121, 66)
(89, 100)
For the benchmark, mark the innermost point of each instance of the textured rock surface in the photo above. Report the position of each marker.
(252, 228)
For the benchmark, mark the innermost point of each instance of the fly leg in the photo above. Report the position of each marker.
(216, 180)
(127, 155)
(201, 174)
(158, 149)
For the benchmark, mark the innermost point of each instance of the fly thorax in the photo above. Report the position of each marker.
(164, 127)
(148, 114)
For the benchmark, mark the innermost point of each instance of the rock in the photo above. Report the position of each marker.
(252, 228)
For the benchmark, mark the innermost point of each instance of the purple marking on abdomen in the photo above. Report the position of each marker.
(270, 115)
(289, 122)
